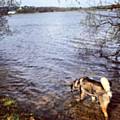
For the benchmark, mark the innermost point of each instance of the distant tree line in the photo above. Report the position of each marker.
(32, 9)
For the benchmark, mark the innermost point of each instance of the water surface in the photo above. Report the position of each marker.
(46, 51)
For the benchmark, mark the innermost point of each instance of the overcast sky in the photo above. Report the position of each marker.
(64, 3)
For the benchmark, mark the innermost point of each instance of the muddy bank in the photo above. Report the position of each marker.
(72, 109)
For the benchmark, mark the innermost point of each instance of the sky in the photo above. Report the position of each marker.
(64, 3)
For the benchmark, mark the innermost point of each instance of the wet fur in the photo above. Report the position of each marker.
(95, 89)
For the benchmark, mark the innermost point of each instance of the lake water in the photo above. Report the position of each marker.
(44, 52)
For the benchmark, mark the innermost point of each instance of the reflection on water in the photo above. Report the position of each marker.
(44, 52)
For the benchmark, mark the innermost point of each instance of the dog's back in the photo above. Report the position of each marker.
(91, 86)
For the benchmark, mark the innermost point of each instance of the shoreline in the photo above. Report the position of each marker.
(13, 109)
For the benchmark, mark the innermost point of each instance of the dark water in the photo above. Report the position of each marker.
(46, 51)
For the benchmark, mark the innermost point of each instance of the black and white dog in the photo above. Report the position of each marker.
(97, 90)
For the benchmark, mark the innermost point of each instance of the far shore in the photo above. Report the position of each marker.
(33, 9)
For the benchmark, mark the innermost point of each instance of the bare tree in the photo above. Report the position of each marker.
(110, 23)
(4, 27)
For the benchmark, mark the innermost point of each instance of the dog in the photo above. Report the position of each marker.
(97, 90)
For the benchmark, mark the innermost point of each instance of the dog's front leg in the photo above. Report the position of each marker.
(82, 94)
(93, 98)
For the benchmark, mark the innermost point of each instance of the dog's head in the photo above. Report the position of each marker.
(75, 86)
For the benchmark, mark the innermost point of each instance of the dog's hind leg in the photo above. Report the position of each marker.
(104, 101)
(104, 110)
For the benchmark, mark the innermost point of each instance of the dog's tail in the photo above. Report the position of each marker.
(106, 85)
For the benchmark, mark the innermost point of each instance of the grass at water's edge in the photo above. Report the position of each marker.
(9, 110)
